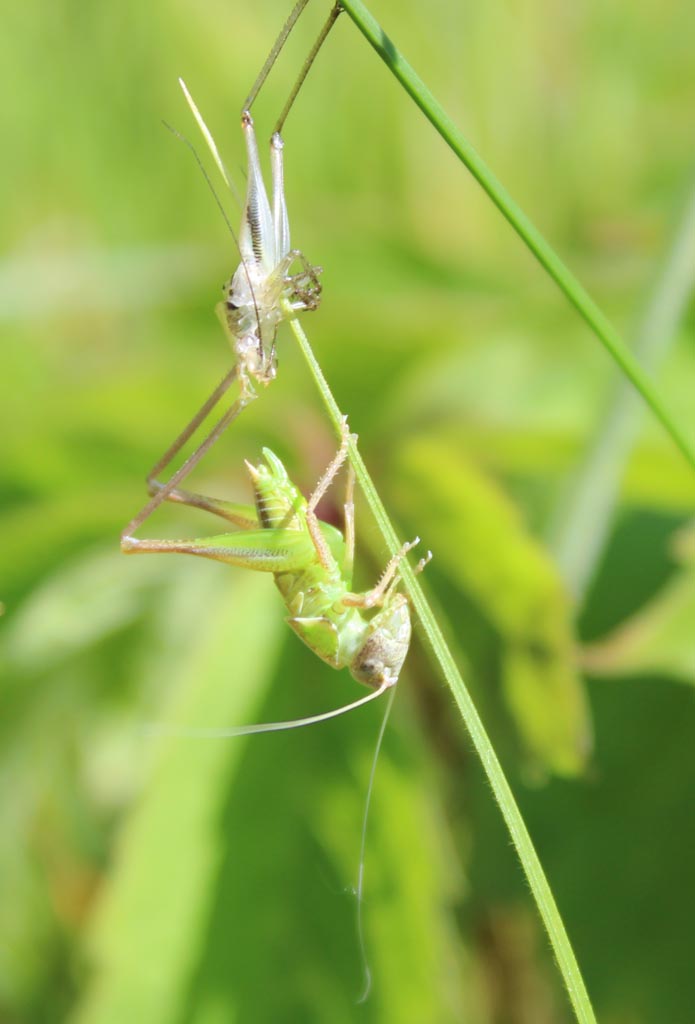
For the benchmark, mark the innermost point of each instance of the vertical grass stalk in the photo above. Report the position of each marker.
(522, 841)
(529, 234)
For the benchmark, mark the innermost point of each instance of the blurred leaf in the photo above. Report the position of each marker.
(78, 606)
(153, 918)
(537, 418)
(413, 949)
(482, 546)
(660, 638)
(234, 867)
(583, 519)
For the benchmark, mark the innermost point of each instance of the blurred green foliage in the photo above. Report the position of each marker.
(178, 880)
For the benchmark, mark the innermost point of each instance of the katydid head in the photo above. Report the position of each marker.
(379, 660)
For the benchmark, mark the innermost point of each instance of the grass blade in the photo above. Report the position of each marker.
(544, 253)
(493, 769)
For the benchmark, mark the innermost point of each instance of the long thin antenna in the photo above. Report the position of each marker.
(359, 894)
(330, 22)
(201, 166)
(250, 730)
(273, 55)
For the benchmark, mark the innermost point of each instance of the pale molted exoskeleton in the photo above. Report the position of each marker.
(262, 292)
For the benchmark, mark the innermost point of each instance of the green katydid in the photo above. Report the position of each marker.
(312, 563)
(262, 292)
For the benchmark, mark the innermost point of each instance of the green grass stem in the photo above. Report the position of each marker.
(544, 253)
(493, 769)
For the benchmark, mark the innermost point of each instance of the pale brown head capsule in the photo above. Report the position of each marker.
(381, 657)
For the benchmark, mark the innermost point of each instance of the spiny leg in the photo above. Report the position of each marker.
(349, 518)
(325, 557)
(334, 465)
(306, 287)
(261, 550)
(162, 491)
(377, 594)
(424, 561)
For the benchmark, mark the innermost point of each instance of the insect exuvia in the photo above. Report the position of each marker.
(262, 292)
(312, 563)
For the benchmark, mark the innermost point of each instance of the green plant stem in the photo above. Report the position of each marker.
(493, 769)
(544, 253)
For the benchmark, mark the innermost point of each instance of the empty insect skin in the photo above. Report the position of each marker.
(262, 292)
(369, 633)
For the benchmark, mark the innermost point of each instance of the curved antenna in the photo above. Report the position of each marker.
(201, 167)
(328, 25)
(359, 892)
(250, 730)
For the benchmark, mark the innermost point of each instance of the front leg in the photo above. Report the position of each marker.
(303, 289)
(324, 555)
(378, 595)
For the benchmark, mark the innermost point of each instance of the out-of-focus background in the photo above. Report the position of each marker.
(176, 880)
